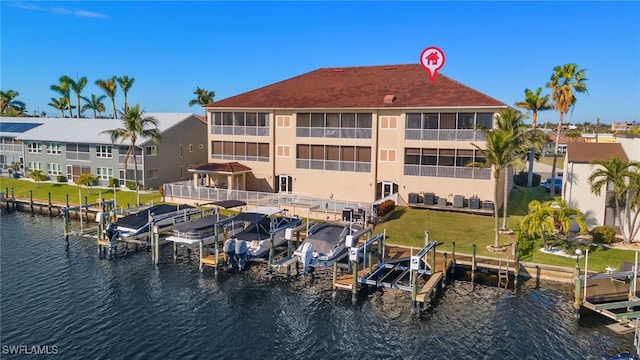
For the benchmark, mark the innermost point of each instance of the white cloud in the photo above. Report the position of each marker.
(59, 10)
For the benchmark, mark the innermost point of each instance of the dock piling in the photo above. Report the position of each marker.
(577, 291)
(31, 200)
(444, 271)
(453, 253)
(50, 214)
(473, 264)
(271, 253)
(335, 278)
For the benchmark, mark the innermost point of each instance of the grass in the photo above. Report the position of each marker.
(60, 191)
(406, 226)
(548, 160)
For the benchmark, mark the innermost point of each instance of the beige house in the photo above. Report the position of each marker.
(598, 209)
(353, 133)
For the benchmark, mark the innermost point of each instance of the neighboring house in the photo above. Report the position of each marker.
(598, 210)
(71, 147)
(11, 149)
(617, 127)
(353, 133)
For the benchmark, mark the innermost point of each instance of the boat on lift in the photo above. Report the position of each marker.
(251, 232)
(325, 244)
(136, 226)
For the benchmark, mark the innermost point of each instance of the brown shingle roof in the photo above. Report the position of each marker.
(586, 152)
(361, 87)
(226, 168)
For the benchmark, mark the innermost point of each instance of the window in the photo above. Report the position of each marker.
(77, 152)
(447, 120)
(190, 147)
(152, 174)
(181, 151)
(181, 172)
(53, 148)
(153, 150)
(34, 147)
(388, 122)
(484, 120)
(54, 169)
(387, 155)
(283, 150)
(230, 150)
(35, 165)
(104, 173)
(333, 157)
(430, 121)
(104, 151)
(283, 121)
(334, 125)
(413, 121)
(465, 120)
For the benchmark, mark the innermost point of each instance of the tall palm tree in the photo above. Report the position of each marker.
(64, 89)
(625, 177)
(553, 217)
(8, 101)
(565, 81)
(125, 84)
(94, 103)
(135, 125)
(533, 102)
(76, 87)
(499, 155)
(110, 87)
(512, 122)
(203, 97)
(59, 104)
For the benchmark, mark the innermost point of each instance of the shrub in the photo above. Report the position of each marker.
(603, 235)
(61, 178)
(521, 178)
(113, 182)
(386, 207)
(131, 185)
(161, 190)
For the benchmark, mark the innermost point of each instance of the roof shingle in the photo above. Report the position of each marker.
(587, 152)
(361, 87)
(226, 168)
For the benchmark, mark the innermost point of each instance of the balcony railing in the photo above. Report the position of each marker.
(444, 135)
(240, 157)
(333, 165)
(332, 132)
(459, 172)
(240, 130)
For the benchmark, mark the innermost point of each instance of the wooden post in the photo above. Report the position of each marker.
(453, 253)
(65, 218)
(354, 284)
(86, 207)
(444, 271)
(516, 271)
(13, 199)
(201, 251)
(31, 200)
(335, 277)
(156, 238)
(175, 251)
(271, 253)
(216, 246)
(414, 290)
(577, 292)
(473, 264)
(6, 194)
(50, 204)
(67, 195)
(433, 260)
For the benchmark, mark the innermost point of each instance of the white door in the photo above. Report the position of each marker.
(387, 188)
(284, 183)
(122, 177)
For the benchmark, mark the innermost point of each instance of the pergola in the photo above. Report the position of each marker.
(229, 175)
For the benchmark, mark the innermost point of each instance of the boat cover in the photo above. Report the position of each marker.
(325, 237)
(227, 204)
(196, 225)
(140, 219)
(257, 230)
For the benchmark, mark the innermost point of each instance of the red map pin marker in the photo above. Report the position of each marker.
(432, 59)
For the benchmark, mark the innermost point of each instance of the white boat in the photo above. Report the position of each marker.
(136, 226)
(256, 227)
(325, 244)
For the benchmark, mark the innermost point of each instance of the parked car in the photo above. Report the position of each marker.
(558, 185)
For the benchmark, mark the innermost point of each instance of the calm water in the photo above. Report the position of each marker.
(92, 308)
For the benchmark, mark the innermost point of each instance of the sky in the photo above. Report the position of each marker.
(171, 47)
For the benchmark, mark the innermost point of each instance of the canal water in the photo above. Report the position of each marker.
(84, 307)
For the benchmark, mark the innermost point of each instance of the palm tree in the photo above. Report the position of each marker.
(533, 102)
(551, 217)
(625, 177)
(512, 122)
(110, 87)
(564, 82)
(94, 103)
(64, 89)
(135, 125)
(499, 155)
(125, 84)
(76, 87)
(60, 104)
(203, 97)
(8, 102)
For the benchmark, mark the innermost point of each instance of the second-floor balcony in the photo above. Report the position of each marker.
(240, 130)
(444, 134)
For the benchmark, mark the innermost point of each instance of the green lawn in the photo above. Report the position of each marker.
(406, 226)
(549, 161)
(59, 192)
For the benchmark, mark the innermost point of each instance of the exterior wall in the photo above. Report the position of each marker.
(190, 134)
(576, 191)
(349, 185)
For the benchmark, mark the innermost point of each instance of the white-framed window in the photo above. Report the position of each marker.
(190, 147)
(388, 122)
(152, 174)
(181, 172)
(54, 169)
(35, 165)
(104, 173)
(283, 150)
(387, 155)
(181, 151)
(34, 147)
(152, 150)
(54, 148)
(104, 151)
(283, 121)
